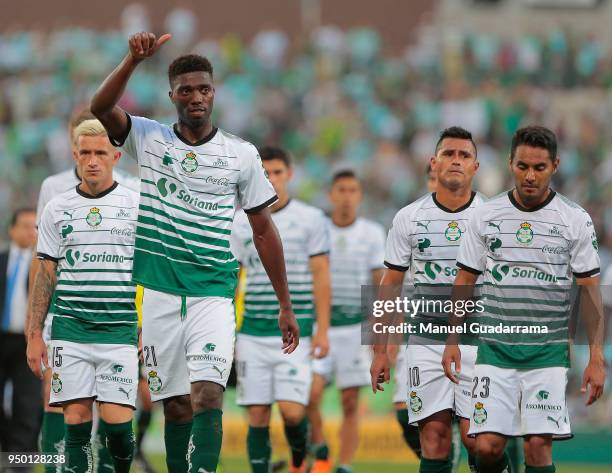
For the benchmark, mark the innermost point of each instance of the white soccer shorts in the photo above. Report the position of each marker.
(186, 340)
(429, 390)
(266, 374)
(400, 389)
(106, 372)
(516, 402)
(348, 360)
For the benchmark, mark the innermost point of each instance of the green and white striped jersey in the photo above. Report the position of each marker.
(92, 241)
(356, 251)
(424, 238)
(188, 196)
(304, 233)
(528, 258)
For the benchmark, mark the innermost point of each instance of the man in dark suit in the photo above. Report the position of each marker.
(20, 426)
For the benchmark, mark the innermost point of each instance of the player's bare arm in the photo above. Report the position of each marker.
(463, 288)
(321, 291)
(104, 102)
(42, 292)
(390, 287)
(270, 249)
(592, 310)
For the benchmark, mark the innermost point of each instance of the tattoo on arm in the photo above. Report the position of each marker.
(42, 292)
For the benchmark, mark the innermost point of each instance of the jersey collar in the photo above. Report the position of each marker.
(204, 140)
(547, 201)
(100, 195)
(460, 209)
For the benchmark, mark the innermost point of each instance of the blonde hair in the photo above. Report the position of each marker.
(88, 128)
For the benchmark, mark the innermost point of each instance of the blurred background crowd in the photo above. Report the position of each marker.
(340, 96)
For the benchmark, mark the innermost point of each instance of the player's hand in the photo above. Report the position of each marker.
(594, 376)
(319, 347)
(380, 371)
(144, 45)
(290, 330)
(452, 356)
(36, 354)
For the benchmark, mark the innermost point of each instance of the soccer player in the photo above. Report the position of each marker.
(85, 247)
(264, 375)
(52, 433)
(356, 259)
(528, 244)
(397, 354)
(424, 239)
(192, 177)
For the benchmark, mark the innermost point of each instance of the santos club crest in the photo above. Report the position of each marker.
(453, 232)
(155, 383)
(524, 234)
(480, 413)
(190, 163)
(416, 404)
(56, 383)
(94, 217)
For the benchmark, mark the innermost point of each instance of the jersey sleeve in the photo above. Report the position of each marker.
(398, 249)
(138, 129)
(318, 236)
(44, 196)
(377, 248)
(584, 256)
(472, 255)
(237, 238)
(254, 189)
(48, 244)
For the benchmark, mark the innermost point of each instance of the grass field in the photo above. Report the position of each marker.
(240, 465)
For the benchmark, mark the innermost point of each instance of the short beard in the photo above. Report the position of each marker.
(451, 185)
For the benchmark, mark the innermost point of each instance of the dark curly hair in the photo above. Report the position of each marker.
(536, 137)
(188, 63)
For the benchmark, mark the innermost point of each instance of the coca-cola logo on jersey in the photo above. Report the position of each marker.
(125, 232)
(219, 181)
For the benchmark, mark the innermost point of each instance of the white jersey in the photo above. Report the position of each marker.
(424, 240)
(92, 241)
(304, 234)
(356, 251)
(189, 194)
(528, 258)
(69, 179)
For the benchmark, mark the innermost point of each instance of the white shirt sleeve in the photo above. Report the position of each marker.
(318, 235)
(398, 249)
(377, 247)
(254, 189)
(140, 127)
(44, 196)
(472, 255)
(237, 237)
(48, 244)
(584, 257)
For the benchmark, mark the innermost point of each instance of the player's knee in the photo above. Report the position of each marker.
(293, 417)
(538, 450)
(489, 451)
(206, 395)
(436, 442)
(178, 409)
(350, 403)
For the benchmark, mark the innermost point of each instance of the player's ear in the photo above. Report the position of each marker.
(116, 156)
(432, 162)
(555, 164)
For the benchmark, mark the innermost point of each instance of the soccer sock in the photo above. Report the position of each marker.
(176, 439)
(540, 469)
(297, 438)
(78, 448)
(104, 461)
(205, 441)
(52, 437)
(344, 469)
(410, 432)
(320, 451)
(501, 466)
(142, 421)
(259, 449)
(434, 466)
(120, 442)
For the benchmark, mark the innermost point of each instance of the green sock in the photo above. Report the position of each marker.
(297, 438)
(143, 421)
(205, 441)
(52, 437)
(320, 451)
(501, 466)
(101, 455)
(259, 449)
(540, 469)
(176, 439)
(410, 432)
(344, 469)
(78, 448)
(434, 466)
(514, 450)
(120, 443)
